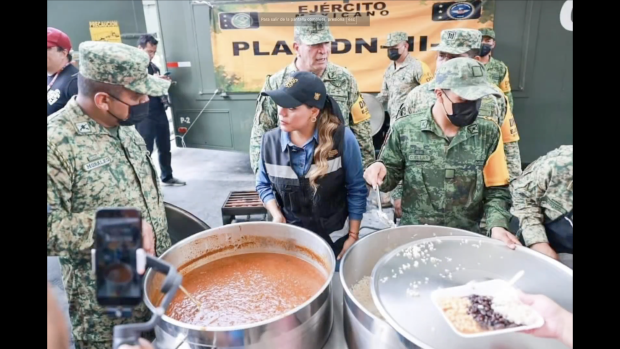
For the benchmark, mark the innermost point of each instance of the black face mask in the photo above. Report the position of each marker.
(393, 54)
(464, 113)
(485, 49)
(137, 113)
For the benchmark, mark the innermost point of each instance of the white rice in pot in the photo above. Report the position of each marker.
(361, 292)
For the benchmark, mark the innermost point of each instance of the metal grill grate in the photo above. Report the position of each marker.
(242, 203)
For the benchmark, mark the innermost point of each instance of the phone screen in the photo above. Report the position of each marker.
(118, 237)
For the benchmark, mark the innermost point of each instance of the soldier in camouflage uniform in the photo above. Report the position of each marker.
(400, 77)
(95, 158)
(497, 70)
(543, 201)
(466, 43)
(450, 160)
(313, 45)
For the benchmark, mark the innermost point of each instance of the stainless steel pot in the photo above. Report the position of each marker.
(306, 327)
(362, 329)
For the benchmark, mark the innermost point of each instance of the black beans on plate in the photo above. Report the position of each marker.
(483, 313)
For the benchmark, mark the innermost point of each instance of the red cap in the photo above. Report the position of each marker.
(58, 38)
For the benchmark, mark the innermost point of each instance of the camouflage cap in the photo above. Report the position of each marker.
(313, 29)
(458, 41)
(488, 32)
(120, 64)
(394, 39)
(464, 76)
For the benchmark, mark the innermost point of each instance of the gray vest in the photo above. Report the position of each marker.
(323, 212)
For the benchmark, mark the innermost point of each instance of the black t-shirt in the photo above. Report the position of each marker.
(156, 106)
(62, 90)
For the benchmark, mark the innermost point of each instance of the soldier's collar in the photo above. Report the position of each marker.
(83, 124)
(428, 123)
(408, 60)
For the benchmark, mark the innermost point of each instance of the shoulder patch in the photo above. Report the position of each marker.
(359, 110)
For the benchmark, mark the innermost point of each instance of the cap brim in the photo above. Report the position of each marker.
(387, 46)
(50, 44)
(450, 50)
(472, 93)
(151, 86)
(282, 99)
(316, 41)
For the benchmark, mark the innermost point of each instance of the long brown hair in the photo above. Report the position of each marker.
(327, 123)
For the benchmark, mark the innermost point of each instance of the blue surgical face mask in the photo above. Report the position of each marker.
(137, 113)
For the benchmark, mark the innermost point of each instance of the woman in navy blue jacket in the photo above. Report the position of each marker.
(310, 172)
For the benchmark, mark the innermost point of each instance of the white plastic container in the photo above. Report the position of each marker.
(486, 288)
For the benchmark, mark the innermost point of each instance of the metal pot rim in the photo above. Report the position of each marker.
(214, 231)
(486, 239)
(345, 286)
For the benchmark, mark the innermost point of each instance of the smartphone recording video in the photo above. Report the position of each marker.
(118, 235)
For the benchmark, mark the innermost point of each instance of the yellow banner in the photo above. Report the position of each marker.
(105, 31)
(252, 40)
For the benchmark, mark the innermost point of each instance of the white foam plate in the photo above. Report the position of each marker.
(485, 288)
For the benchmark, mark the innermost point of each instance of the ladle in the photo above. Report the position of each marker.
(198, 304)
(380, 212)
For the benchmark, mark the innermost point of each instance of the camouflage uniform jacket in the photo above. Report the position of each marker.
(445, 182)
(421, 98)
(498, 75)
(544, 190)
(89, 168)
(340, 84)
(398, 82)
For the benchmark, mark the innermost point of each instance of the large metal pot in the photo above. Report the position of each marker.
(306, 327)
(362, 329)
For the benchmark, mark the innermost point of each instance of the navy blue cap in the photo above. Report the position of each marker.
(299, 88)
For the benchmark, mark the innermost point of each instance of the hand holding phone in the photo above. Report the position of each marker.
(148, 238)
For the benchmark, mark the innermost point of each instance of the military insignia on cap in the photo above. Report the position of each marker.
(476, 71)
(317, 96)
(317, 26)
(451, 35)
(290, 82)
(83, 127)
